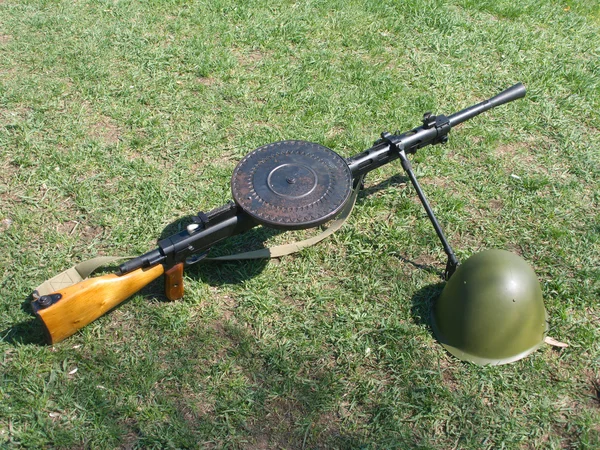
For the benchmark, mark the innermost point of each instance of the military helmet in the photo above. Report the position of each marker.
(491, 310)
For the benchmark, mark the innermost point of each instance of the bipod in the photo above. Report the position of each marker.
(452, 262)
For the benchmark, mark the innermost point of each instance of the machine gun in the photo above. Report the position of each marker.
(288, 185)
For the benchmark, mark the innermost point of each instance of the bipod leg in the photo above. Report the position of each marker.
(452, 262)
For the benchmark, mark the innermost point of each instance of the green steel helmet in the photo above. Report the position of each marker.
(491, 310)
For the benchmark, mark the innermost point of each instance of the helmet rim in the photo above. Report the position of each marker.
(481, 360)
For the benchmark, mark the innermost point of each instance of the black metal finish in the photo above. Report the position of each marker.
(434, 131)
(45, 301)
(292, 184)
(223, 222)
(297, 184)
(512, 93)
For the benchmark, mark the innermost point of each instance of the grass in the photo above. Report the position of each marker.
(116, 118)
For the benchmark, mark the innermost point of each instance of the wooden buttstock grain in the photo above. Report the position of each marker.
(84, 302)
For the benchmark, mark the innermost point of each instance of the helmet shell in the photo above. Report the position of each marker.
(491, 310)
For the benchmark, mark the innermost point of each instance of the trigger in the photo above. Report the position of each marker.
(195, 258)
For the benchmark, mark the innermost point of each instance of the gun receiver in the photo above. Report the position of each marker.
(297, 172)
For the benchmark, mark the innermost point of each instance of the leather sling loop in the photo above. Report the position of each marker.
(83, 270)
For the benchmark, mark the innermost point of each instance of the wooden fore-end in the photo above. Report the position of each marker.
(84, 302)
(174, 282)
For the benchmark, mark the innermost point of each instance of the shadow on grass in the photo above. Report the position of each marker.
(422, 301)
(27, 332)
(394, 180)
(425, 267)
(218, 273)
(214, 273)
(278, 396)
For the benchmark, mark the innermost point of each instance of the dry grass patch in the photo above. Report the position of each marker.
(206, 81)
(249, 58)
(106, 130)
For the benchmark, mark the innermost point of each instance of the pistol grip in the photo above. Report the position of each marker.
(174, 282)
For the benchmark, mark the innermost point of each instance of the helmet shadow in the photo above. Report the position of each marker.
(422, 303)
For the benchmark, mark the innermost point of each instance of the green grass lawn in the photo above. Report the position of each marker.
(119, 117)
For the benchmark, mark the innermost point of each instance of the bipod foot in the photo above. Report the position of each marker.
(451, 266)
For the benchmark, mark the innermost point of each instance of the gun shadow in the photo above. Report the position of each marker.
(28, 331)
(398, 180)
(216, 273)
(228, 272)
(394, 180)
(233, 272)
(219, 273)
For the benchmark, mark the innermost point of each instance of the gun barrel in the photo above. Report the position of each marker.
(512, 93)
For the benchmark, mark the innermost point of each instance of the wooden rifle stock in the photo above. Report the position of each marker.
(84, 302)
